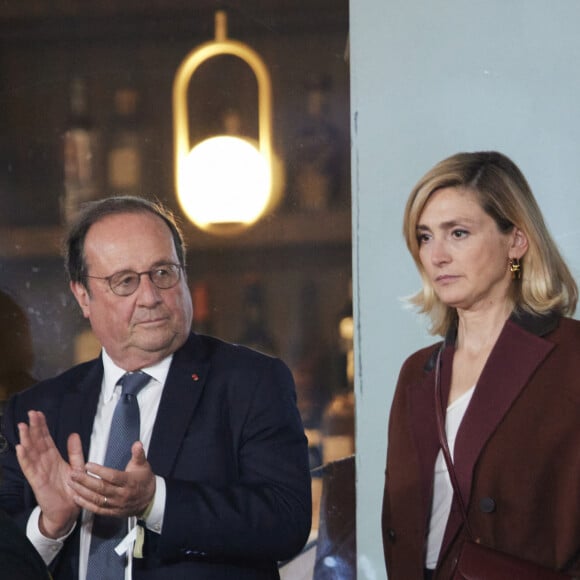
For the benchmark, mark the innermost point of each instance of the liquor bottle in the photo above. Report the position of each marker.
(338, 418)
(81, 153)
(255, 332)
(308, 360)
(345, 380)
(316, 167)
(201, 308)
(125, 149)
(338, 427)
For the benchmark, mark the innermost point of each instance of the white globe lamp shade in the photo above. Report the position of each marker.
(224, 182)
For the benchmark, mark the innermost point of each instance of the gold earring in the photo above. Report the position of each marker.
(515, 268)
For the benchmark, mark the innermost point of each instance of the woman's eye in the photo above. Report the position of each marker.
(458, 234)
(423, 238)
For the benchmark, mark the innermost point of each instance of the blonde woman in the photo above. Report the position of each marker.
(496, 288)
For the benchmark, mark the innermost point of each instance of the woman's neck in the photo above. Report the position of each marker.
(478, 331)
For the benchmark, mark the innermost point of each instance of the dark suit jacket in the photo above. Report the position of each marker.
(517, 452)
(229, 442)
(18, 558)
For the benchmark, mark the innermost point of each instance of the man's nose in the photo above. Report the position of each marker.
(148, 293)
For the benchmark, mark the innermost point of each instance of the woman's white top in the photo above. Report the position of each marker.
(442, 488)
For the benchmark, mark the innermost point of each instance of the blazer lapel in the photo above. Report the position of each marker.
(181, 393)
(515, 357)
(424, 428)
(512, 362)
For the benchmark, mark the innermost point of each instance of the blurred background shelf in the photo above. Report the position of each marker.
(30, 242)
(327, 228)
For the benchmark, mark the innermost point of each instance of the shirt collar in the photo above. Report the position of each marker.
(112, 373)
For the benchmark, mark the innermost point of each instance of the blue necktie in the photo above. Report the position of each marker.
(109, 531)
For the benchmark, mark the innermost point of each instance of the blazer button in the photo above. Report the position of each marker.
(190, 552)
(392, 535)
(487, 505)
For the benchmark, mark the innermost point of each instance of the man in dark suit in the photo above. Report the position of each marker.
(217, 486)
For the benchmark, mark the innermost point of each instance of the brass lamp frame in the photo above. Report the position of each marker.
(222, 45)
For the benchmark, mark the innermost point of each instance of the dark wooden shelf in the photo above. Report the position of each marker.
(277, 231)
(66, 20)
(29, 242)
(283, 230)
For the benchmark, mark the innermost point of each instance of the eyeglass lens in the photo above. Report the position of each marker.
(125, 283)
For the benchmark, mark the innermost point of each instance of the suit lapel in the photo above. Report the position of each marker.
(78, 409)
(181, 393)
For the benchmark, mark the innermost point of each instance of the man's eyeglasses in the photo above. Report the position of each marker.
(126, 282)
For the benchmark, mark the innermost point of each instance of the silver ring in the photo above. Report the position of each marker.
(105, 500)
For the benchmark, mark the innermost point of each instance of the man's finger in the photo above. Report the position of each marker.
(138, 456)
(75, 452)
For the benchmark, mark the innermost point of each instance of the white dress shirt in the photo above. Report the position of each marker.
(148, 398)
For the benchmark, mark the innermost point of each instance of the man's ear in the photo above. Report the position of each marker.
(82, 297)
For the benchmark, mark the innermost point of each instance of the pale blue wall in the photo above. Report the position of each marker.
(430, 78)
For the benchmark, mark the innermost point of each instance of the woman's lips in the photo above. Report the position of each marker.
(445, 279)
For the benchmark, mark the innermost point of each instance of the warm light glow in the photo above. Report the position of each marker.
(225, 183)
(224, 180)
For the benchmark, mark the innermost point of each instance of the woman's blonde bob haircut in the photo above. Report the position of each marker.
(504, 194)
